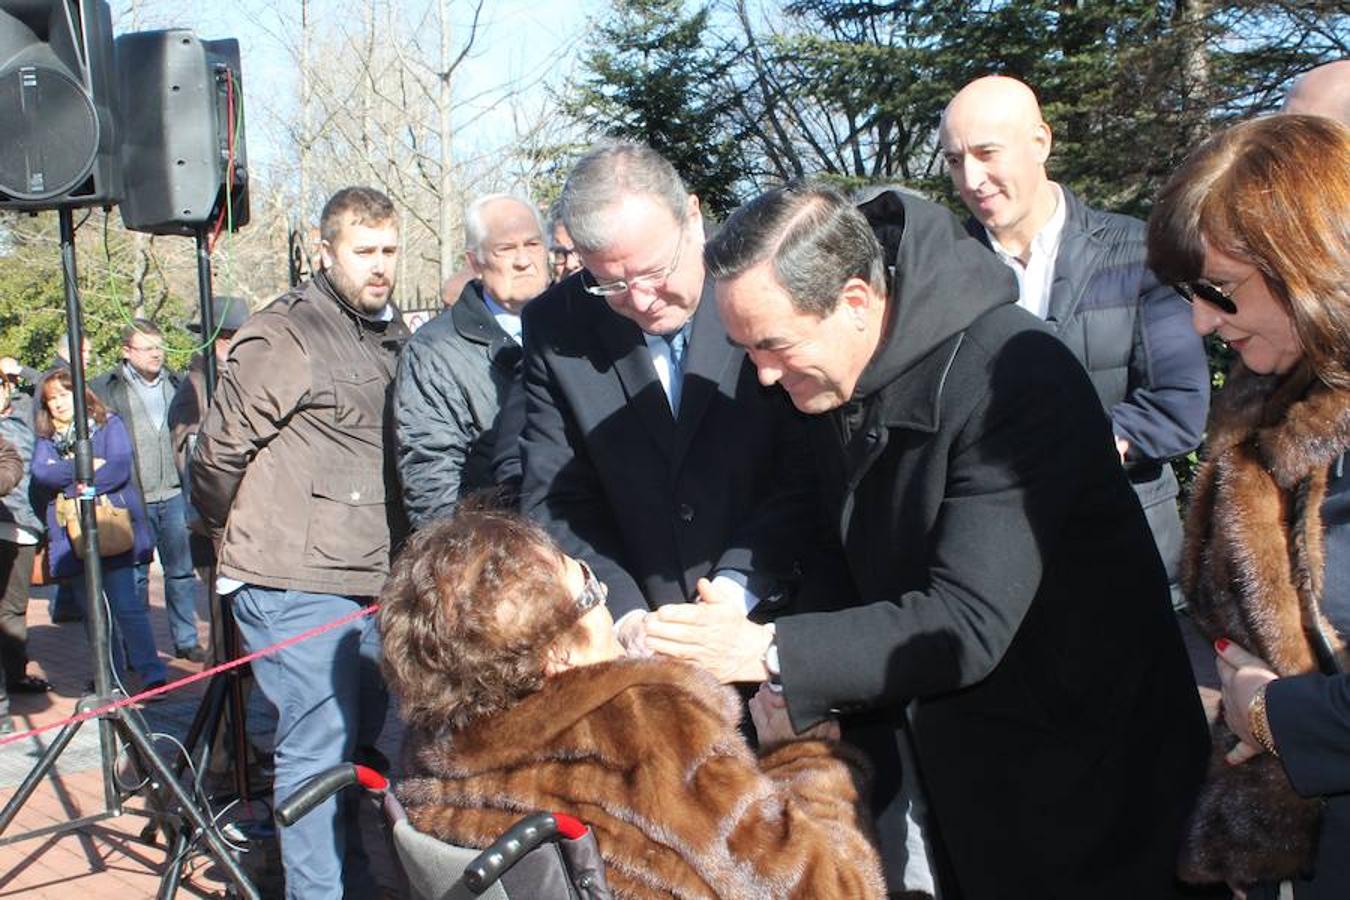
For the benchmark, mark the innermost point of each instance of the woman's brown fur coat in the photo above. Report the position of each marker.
(648, 754)
(1253, 571)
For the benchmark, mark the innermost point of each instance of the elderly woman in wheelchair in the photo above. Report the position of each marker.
(518, 698)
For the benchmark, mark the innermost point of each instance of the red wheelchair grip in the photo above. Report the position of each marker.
(370, 779)
(569, 827)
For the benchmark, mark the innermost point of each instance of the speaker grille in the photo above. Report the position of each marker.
(55, 132)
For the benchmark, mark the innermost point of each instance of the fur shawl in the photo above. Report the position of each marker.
(648, 753)
(1253, 572)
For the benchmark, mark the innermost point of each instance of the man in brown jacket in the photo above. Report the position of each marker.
(291, 463)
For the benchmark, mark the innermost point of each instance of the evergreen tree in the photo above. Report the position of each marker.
(651, 78)
(854, 89)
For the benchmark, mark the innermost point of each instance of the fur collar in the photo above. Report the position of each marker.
(1254, 556)
(591, 706)
(1253, 572)
(647, 752)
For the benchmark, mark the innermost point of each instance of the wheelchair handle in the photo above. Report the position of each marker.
(324, 785)
(518, 840)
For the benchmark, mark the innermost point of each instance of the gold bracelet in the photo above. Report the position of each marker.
(1260, 722)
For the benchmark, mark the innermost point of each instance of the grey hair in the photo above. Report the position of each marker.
(475, 232)
(815, 238)
(608, 173)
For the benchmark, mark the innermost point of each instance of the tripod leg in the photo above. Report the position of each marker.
(206, 717)
(189, 808)
(182, 837)
(36, 774)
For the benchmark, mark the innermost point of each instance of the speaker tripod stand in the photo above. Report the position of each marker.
(223, 703)
(170, 801)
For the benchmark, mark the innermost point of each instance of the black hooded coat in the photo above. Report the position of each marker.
(1008, 582)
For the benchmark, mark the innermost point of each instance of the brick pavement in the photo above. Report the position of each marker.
(108, 857)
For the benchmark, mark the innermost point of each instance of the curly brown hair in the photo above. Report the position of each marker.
(472, 607)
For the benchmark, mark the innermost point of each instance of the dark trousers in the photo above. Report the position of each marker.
(16, 569)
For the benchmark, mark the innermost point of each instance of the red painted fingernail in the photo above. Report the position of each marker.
(1221, 644)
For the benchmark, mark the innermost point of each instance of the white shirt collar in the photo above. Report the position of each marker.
(1036, 278)
(509, 321)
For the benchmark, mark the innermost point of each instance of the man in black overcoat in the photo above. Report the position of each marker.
(1007, 579)
(649, 448)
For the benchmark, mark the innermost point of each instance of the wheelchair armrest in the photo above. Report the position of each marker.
(324, 785)
(518, 840)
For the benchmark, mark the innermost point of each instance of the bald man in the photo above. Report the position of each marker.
(1323, 91)
(456, 372)
(1083, 272)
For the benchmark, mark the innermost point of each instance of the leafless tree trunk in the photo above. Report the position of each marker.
(445, 235)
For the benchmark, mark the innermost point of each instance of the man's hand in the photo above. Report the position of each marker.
(768, 710)
(713, 633)
(631, 630)
(1241, 673)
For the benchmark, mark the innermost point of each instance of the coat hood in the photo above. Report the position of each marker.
(941, 280)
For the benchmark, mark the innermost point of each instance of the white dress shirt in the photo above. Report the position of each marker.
(1036, 277)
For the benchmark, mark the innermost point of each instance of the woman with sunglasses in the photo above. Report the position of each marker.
(1254, 230)
(518, 698)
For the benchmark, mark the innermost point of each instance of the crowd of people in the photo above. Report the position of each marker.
(903, 480)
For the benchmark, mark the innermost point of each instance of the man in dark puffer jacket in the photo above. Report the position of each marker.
(1083, 272)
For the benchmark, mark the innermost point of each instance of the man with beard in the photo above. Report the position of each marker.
(291, 464)
(456, 373)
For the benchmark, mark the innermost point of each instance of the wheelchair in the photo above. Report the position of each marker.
(544, 856)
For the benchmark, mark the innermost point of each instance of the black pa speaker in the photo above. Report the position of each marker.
(184, 168)
(58, 136)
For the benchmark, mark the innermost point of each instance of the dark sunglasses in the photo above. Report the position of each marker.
(1210, 293)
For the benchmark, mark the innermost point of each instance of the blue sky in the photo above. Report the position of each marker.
(520, 42)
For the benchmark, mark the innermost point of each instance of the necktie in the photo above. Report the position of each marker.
(676, 342)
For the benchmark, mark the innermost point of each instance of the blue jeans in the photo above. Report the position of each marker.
(65, 605)
(128, 625)
(330, 699)
(168, 524)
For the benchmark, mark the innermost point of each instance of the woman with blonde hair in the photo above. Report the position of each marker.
(1254, 230)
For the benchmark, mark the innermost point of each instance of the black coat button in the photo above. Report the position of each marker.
(686, 513)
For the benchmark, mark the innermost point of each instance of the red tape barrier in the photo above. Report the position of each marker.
(205, 673)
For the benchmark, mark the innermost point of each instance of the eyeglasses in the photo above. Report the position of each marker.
(593, 591)
(1207, 291)
(560, 255)
(650, 280)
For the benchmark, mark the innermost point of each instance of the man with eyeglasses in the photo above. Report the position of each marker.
(561, 251)
(456, 372)
(1083, 272)
(649, 448)
(140, 391)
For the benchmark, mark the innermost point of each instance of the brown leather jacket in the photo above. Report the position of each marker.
(291, 458)
(11, 467)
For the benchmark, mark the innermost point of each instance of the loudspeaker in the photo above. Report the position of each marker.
(58, 136)
(183, 126)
